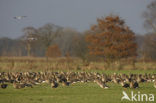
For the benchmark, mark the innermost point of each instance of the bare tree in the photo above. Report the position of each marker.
(79, 46)
(150, 17)
(29, 37)
(149, 46)
(47, 34)
(65, 42)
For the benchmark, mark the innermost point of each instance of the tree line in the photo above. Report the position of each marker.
(110, 39)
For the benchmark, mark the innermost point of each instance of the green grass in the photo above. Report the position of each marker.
(75, 93)
(123, 71)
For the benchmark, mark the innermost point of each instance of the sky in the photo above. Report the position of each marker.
(77, 14)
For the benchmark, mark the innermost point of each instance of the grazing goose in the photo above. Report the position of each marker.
(18, 86)
(134, 84)
(65, 83)
(140, 79)
(28, 85)
(105, 86)
(115, 80)
(101, 84)
(4, 86)
(54, 84)
(48, 81)
(124, 84)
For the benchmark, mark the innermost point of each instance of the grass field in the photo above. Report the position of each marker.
(76, 93)
(13, 64)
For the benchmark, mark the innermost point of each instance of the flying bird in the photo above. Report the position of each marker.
(31, 39)
(19, 17)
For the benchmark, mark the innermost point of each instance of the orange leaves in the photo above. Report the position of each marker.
(53, 51)
(93, 27)
(112, 40)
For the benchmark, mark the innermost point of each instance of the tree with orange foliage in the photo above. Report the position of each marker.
(53, 51)
(111, 39)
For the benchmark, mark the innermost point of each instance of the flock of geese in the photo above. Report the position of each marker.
(29, 79)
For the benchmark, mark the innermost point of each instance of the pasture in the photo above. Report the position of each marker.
(21, 64)
(78, 92)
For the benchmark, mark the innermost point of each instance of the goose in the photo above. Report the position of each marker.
(101, 84)
(115, 80)
(65, 83)
(28, 85)
(134, 84)
(124, 84)
(18, 86)
(54, 84)
(48, 81)
(3, 86)
(31, 38)
(19, 17)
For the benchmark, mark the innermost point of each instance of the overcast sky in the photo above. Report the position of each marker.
(78, 14)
